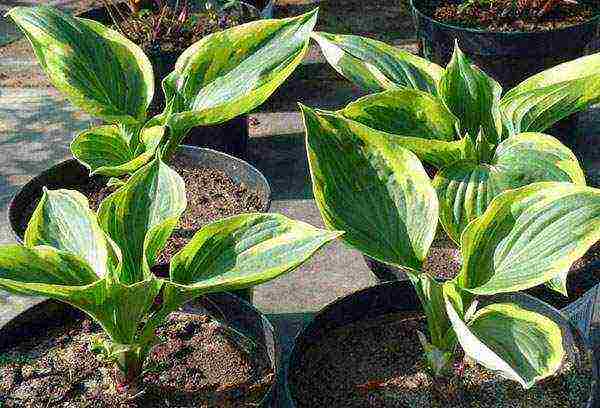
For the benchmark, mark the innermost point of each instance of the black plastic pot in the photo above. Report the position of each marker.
(579, 282)
(509, 57)
(70, 174)
(229, 310)
(377, 301)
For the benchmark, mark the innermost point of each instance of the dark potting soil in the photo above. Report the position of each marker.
(379, 363)
(211, 195)
(198, 364)
(510, 15)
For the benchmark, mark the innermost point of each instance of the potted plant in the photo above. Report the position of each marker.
(212, 82)
(100, 264)
(511, 40)
(380, 194)
(164, 30)
(478, 142)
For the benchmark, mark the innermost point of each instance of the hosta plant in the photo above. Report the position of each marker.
(457, 119)
(100, 263)
(378, 192)
(223, 75)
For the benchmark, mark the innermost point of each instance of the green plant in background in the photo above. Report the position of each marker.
(457, 120)
(224, 75)
(537, 8)
(376, 190)
(100, 263)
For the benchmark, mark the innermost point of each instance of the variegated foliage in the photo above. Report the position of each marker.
(457, 119)
(368, 183)
(100, 263)
(222, 76)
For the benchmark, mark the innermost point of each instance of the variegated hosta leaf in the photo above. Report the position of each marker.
(528, 236)
(63, 220)
(118, 307)
(374, 65)
(244, 251)
(472, 96)
(465, 189)
(512, 339)
(97, 69)
(106, 150)
(366, 184)
(231, 72)
(420, 121)
(545, 98)
(141, 215)
(43, 271)
(431, 294)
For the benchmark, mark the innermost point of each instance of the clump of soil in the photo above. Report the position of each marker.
(379, 363)
(510, 15)
(196, 365)
(211, 195)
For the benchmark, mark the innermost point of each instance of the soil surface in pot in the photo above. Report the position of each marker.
(211, 195)
(199, 364)
(379, 363)
(508, 15)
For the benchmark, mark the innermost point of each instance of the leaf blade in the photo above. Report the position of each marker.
(528, 236)
(375, 66)
(98, 70)
(141, 215)
(367, 185)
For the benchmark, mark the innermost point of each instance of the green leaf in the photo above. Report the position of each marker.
(545, 98)
(528, 236)
(465, 189)
(513, 339)
(119, 308)
(244, 251)
(369, 186)
(375, 66)
(63, 220)
(431, 294)
(420, 121)
(141, 215)
(231, 72)
(97, 69)
(105, 150)
(473, 97)
(43, 271)
(405, 112)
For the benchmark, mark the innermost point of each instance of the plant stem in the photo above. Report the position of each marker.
(131, 364)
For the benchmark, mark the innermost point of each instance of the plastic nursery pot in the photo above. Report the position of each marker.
(509, 57)
(70, 174)
(229, 310)
(396, 298)
(579, 282)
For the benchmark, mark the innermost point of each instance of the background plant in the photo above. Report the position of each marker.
(537, 8)
(378, 192)
(457, 120)
(100, 263)
(224, 75)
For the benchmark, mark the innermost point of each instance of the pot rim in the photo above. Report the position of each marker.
(12, 205)
(592, 21)
(594, 352)
(275, 360)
